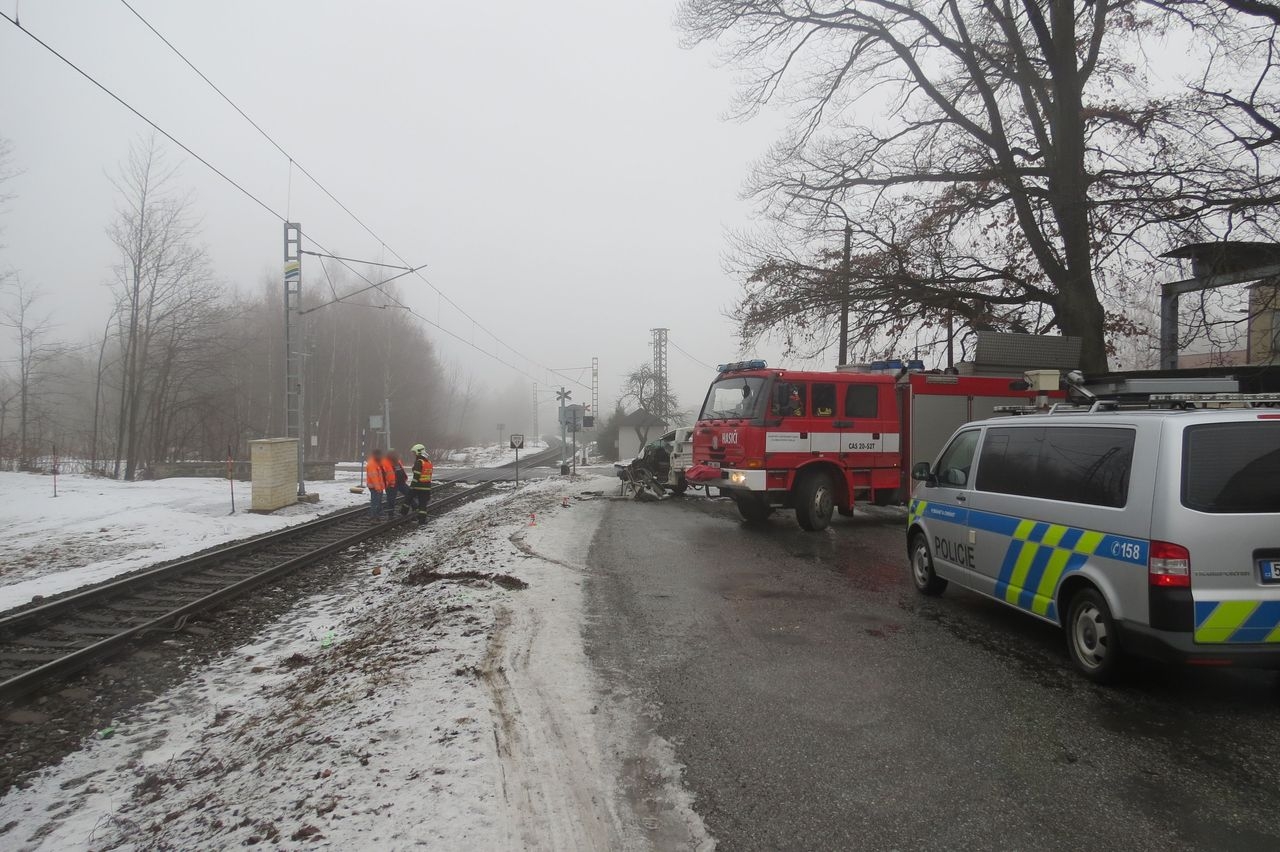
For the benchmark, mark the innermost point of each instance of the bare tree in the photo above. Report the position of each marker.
(30, 330)
(1004, 162)
(640, 387)
(163, 289)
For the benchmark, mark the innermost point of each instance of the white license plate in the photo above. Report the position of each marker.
(713, 464)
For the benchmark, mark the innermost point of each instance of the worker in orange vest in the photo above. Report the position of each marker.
(420, 483)
(375, 475)
(389, 484)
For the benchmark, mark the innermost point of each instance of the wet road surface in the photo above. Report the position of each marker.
(818, 702)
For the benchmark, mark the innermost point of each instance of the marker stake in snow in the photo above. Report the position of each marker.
(231, 480)
(533, 519)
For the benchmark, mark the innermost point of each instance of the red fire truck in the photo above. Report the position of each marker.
(818, 442)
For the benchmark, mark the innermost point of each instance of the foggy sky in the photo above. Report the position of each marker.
(563, 168)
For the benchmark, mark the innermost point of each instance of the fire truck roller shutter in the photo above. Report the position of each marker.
(934, 419)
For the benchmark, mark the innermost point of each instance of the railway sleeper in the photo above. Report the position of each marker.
(36, 642)
(33, 657)
(100, 632)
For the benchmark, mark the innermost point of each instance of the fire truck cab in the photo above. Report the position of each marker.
(819, 442)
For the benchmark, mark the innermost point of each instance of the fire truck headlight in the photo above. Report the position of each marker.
(737, 478)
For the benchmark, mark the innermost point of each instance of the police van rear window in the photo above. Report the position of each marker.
(1232, 468)
(1084, 464)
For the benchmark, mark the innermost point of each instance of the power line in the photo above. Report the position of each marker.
(293, 162)
(676, 346)
(255, 199)
(166, 134)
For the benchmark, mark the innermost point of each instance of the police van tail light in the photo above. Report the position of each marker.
(1169, 565)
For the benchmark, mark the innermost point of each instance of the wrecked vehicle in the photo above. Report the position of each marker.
(660, 466)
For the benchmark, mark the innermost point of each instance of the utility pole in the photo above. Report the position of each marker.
(536, 431)
(294, 423)
(386, 423)
(659, 408)
(562, 395)
(846, 271)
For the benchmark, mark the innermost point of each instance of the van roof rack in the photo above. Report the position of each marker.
(1153, 402)
(1217, 400)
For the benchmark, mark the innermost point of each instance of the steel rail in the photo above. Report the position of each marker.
(45, 616)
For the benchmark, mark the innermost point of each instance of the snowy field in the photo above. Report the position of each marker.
(445, 702)
(98, 528)
(492, 455)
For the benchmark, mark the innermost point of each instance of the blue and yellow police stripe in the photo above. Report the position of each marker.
(1039, 555)
(1237, 622)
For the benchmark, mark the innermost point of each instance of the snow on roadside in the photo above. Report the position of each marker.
(445, 702)
(98, 528)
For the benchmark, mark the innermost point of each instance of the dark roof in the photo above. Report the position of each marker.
(1226, 256)
(640, 417)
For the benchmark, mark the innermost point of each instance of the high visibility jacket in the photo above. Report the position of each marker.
(422, 471)
(388, 475)
(375, 474)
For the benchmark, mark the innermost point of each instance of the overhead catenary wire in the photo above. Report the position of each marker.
(166, 134)
(293, 163)
(696, 360)
(276, 215)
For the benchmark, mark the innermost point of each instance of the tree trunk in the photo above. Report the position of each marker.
(1078, 309)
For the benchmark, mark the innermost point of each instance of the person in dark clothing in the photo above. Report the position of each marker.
(401, 489)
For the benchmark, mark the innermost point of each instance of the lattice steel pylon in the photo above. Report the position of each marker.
(659, 405)
(293, 399)
(595, 391)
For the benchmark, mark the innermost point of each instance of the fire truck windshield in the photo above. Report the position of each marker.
(733, 398)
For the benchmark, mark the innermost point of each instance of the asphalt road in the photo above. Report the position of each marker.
(818, 702)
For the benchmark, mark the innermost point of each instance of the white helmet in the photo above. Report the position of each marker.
(419, 450)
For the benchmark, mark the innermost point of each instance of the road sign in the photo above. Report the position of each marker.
(517, 442)
(572, 416)
(375, 421)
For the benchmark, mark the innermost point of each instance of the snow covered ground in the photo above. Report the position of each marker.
(98, 528)
(445, 702)
(492, 455)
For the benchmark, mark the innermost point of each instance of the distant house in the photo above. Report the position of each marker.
(637, 429)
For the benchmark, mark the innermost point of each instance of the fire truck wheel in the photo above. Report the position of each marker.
(753, 508)
(927, 582)
(681, 486)
(815, 501)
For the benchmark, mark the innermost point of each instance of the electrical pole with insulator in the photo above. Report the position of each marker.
(294, 418)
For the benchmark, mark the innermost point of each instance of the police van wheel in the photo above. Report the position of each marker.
(815, 502)
(922, 574)
(1092, 639)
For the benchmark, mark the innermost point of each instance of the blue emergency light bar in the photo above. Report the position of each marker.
(754, 364)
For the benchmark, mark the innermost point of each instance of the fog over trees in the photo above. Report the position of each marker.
(190, 367)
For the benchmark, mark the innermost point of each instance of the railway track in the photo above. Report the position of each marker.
(50, 641)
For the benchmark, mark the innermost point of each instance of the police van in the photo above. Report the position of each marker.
(1152, 532)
